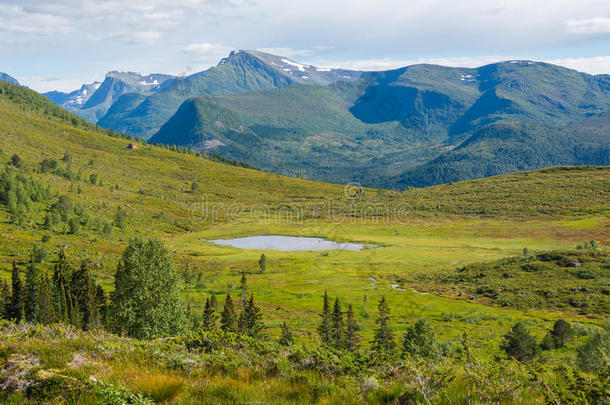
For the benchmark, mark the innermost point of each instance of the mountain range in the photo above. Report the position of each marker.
(414, 126)
(92, 101)
(6, 78)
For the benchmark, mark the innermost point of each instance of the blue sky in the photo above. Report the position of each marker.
(61, 44)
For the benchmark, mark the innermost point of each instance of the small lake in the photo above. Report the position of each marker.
(288, 243)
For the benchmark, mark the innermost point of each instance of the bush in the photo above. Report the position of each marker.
(420, 341)
(594, 354)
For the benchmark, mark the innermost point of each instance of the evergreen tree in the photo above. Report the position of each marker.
(82, 290)
(31, 303)
(253, 325)
(147, 301)
(214, 301)
(102, 306)
(383, 341)
(47, 314)
(5, 297)
(243, 286)
(324, 328)
(74, 315)
(562, 333)
(209, 316)
(337, 326)
(420, 341)
(228, 317)
(262, 263)
(59, 289)
(15, 308)
(352, 339)
(519, 343)
(286, 336)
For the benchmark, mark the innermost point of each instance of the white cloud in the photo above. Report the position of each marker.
(144, 37)
(16, 19)
(594, 65)
(206, 52)
(288, 52)
(591, 65)
(597, 25)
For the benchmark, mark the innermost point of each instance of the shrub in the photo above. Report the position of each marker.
(420, 341)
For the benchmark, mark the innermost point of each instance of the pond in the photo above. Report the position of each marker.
(288, 243)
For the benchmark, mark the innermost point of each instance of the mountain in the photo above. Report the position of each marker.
(75, 100)
(414, 126)
(6, 78)
(240, 72)
(92, 101)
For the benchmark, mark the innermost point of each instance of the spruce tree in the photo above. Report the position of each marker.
(352, 339)
(15, 307)
(253, 319)
(337, 326)
(208, 321)
(324, 328)
(31, 303)
(82, 289)
(228, 317)
(214, 301)
(262, 263)
(243, 286)
(47, 313)
(5, 297)
(286, 336)
(383, 341)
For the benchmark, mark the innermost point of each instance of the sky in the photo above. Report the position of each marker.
(61, 44)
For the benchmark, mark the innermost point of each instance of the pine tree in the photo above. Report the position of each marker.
(519, 344)
(337, 326)
(5, 297)
(286, 336)
(82, 289)
(208, 322)
(15, 308)
(352, 339)
(383, 341)
(102, 307)
(562, 333)
(262, 263)
(253, 324)
(47, 314)
(74, 314)
(324, 328)
(214, 301)
(227, 317)
(243, 286)
(31, 302)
